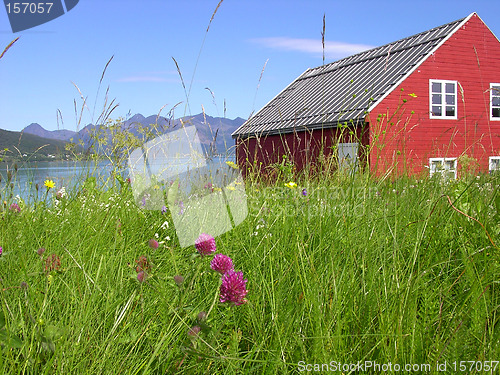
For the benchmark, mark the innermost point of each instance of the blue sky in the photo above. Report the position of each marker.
(39, 73)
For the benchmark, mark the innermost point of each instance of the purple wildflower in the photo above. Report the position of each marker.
(233, 288)
(178, 279)
(194, 331)
(221, 263)
(141, 276)
(145, 198)
(15, 207)
(202, 315)
(52, 263)
(142, 264)
(164, 210)
(153, 244)
(304, 192)
(205, 244)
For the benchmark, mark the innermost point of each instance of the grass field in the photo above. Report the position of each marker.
(340, 270)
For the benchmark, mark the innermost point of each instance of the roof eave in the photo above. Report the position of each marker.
(235, 133)
(352, 122)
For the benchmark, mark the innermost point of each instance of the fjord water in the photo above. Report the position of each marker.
(67, 174)
(64, 174)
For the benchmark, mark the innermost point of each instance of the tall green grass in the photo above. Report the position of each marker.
(354, 270)
(341, 268)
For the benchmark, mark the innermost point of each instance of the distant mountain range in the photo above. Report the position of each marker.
(214, 134)
(209, 129)
(18, 145)
(38, 130)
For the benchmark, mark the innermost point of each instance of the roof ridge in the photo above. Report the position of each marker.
(341, 86)
(325, 68)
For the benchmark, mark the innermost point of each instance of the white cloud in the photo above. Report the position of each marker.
(312, 46)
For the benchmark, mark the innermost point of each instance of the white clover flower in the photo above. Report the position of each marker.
(61, 193)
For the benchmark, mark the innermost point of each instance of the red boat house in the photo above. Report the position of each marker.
(426, 104)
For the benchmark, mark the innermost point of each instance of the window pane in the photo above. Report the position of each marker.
(436, 111)
(495, 90)
(436, 99)
(450, 111)
(495, 101)
(450, 164)
(450, 175)
(450, 99)
(450, 88)
(495, 112)
(436, 165)
(494, 164)
(436, 87)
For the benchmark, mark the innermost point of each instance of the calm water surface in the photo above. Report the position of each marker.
(63, 173)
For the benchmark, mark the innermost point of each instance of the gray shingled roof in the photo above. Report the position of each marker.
(344, 90)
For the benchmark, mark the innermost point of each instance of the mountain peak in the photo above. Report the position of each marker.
(36, 129)
(33, 127)
(136, 118)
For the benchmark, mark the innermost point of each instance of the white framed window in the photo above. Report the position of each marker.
(443, 99)
(495, 101)
(494, 164)
(447, 167)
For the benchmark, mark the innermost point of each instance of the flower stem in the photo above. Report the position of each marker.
(213, 303)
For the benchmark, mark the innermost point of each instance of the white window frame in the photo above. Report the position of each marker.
(494, 164)
(445, 168)
(494, 93)
(443, 99)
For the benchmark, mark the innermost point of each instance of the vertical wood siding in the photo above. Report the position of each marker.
(402, 135)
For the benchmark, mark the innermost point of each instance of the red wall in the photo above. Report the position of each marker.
(404, 140)
(303, 148)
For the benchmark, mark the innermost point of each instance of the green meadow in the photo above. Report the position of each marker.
(341, 270)
(346, 273)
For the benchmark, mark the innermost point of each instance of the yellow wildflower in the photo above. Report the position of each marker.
(232, 165)
(291, 185)
(49, 184)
